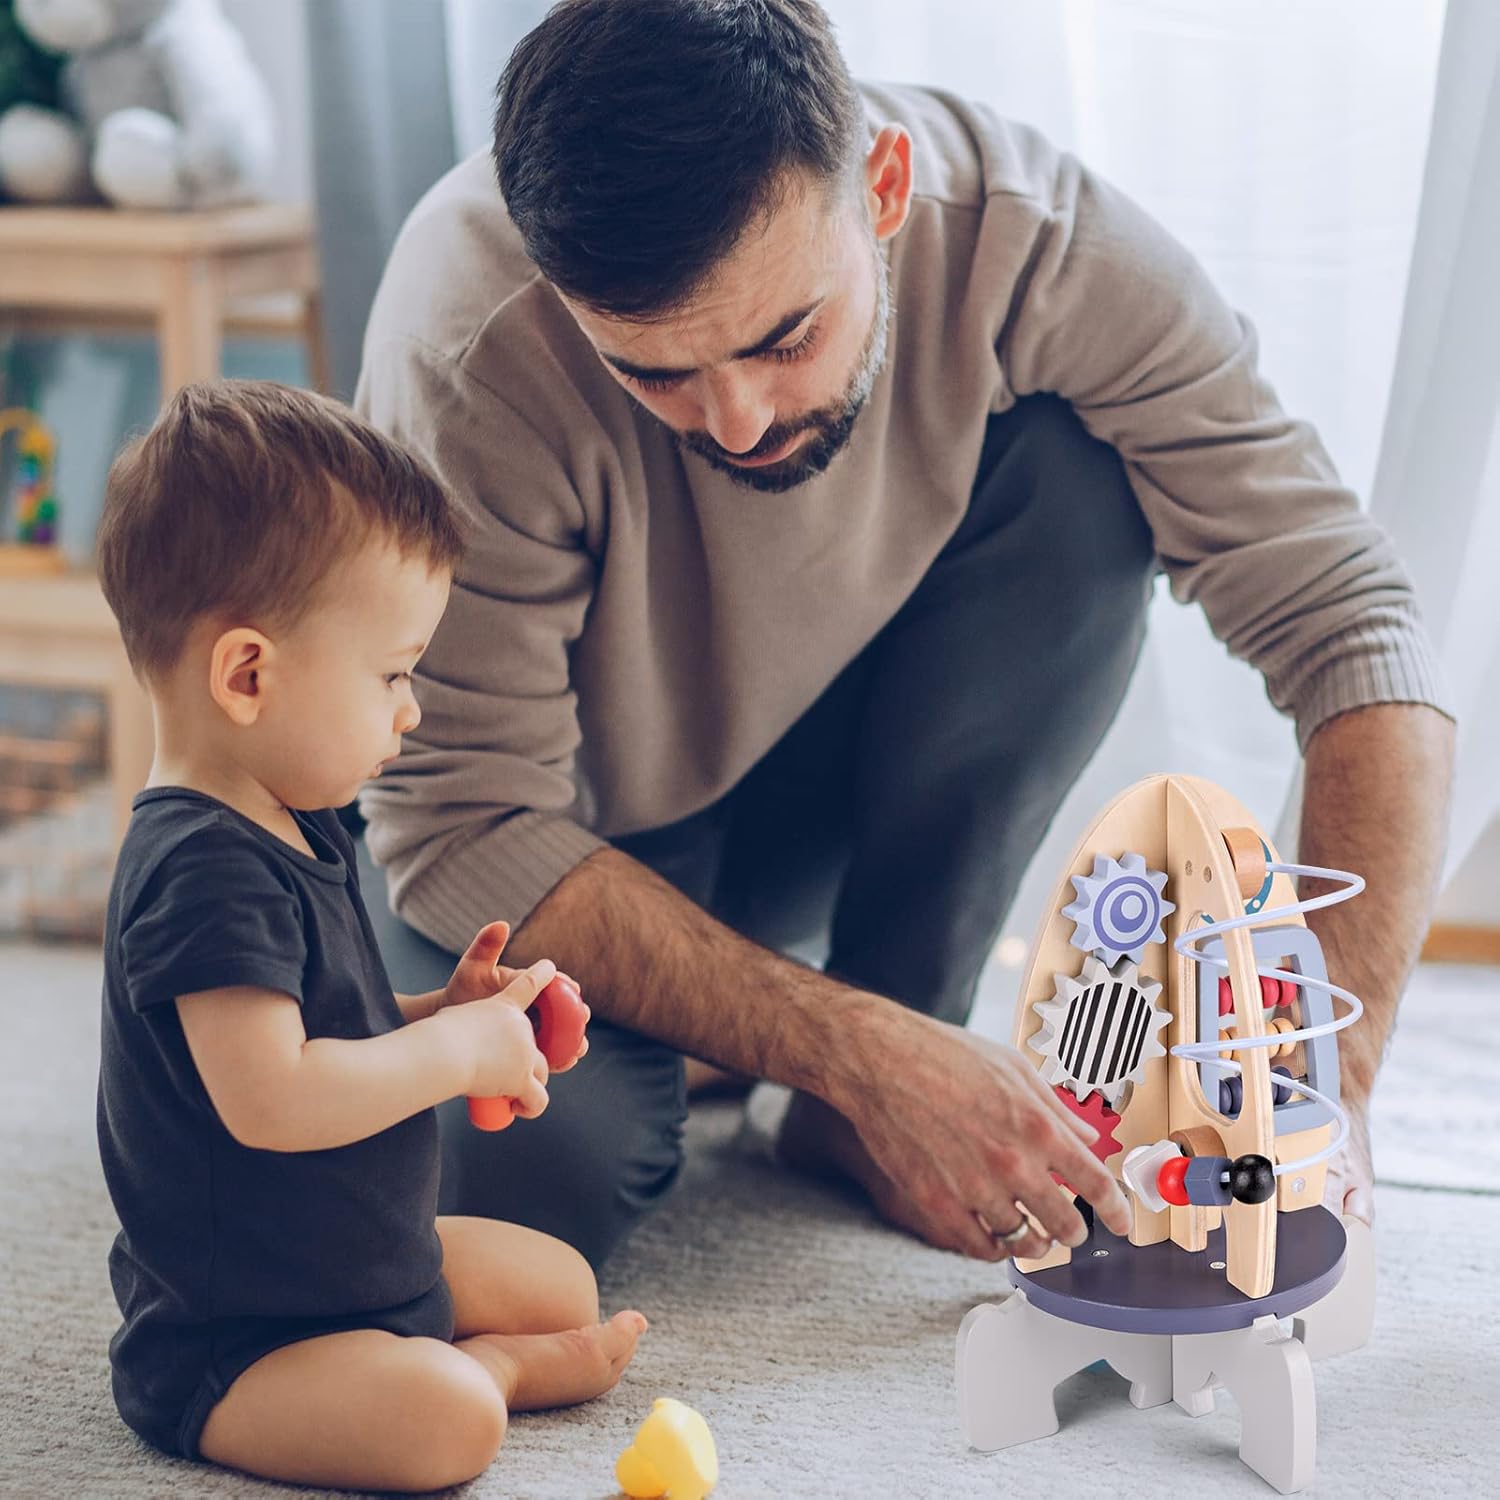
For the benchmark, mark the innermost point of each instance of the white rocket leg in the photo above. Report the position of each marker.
(1270, 1377)
(1342, 1321)
(1010, 1358)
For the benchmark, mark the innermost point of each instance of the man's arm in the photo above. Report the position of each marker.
(1376, 802)
(960, 1124)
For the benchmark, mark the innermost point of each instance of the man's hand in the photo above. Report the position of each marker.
(962, 1129)
(1350, 1185)
(956, 1125)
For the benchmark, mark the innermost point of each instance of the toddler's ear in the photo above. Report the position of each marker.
(236, 665)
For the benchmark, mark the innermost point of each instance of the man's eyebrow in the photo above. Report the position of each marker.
(769, 341)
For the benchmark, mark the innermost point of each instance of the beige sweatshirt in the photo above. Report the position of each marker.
(631, 631)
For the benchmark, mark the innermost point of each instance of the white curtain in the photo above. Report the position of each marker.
(1438, 484)
(481, 34)
(1283, 143)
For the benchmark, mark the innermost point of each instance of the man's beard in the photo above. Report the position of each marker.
(830, 427)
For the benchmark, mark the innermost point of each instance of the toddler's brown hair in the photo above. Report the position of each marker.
(240, 500)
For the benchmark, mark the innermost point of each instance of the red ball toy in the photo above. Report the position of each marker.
(558, 1017)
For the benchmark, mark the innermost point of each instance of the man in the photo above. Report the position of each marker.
(820, 447)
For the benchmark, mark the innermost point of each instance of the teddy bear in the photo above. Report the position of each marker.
(164, 108)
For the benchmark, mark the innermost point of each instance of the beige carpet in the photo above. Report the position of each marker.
(818, 1345)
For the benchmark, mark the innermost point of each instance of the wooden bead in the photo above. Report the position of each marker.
(1248, 857)
(1170, 1180)
(1282, 1023)
(1252, 1179)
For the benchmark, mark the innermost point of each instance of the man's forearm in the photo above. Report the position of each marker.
(1376, 802)
(650, 959)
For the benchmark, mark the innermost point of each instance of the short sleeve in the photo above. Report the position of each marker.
(216, 913)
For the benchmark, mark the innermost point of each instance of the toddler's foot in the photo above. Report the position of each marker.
(540, 1370)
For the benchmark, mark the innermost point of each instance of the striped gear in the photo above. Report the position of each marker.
(1100, 1030)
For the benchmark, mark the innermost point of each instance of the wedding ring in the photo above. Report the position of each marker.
(1010, 1236)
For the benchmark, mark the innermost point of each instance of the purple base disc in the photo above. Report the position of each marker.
(1163, 1289)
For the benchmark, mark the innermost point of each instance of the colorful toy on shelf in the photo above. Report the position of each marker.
(1175, 918)
(34, 503)
(671, 1456)
(558, 1016)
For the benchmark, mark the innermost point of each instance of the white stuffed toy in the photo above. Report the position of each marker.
(166, 108)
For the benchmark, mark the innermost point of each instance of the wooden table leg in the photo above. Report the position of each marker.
(190, 331)
(315, 341)
(132, 743)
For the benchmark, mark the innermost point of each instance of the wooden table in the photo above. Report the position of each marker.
(190, 277)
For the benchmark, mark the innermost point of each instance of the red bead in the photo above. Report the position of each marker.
(1270, 992)
(1226, 996)
(1288, 993)
(1170, 1181)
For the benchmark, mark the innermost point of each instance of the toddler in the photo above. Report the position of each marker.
(292, 1303)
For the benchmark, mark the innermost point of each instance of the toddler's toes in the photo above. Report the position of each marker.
(620, 1336)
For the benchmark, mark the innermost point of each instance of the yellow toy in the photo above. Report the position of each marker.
(673, 1455)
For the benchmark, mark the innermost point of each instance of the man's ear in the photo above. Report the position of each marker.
(237, 673)
(888, 181)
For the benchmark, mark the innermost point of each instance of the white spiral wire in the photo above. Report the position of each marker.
(1201, 1051)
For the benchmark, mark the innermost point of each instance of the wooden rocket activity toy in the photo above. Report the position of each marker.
(1176, 1000)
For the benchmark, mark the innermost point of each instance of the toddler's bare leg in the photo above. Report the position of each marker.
(525, 1306)
(363, 1410)
(506, 1278)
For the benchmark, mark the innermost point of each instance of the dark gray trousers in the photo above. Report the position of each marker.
(894, 819)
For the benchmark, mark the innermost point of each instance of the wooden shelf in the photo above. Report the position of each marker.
(58, 633)
(121, 231)
(191, 277)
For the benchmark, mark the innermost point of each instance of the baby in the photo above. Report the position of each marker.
(292, 1304)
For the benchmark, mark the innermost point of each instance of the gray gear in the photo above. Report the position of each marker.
(1119, 909)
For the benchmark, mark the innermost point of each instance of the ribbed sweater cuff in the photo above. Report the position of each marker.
(1374, 664)
(502, 875)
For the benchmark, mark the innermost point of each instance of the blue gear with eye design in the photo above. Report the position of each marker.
(1119, 908)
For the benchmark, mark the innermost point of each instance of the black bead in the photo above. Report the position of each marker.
(1252, 1179)
(1231, 1095)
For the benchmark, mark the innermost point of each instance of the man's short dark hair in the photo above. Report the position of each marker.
(637, 140)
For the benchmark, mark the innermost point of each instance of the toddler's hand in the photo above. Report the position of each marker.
(501, 1043)
(479, 973)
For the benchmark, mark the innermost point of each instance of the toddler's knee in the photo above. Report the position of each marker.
(460, 1424)
(574, 1302)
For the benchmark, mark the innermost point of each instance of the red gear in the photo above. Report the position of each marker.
(1097, 1113)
